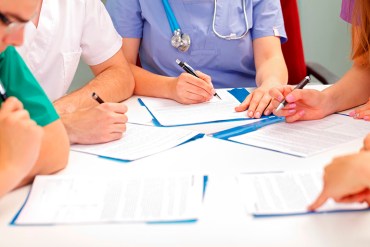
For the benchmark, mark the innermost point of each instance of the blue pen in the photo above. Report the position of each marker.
(243, 129)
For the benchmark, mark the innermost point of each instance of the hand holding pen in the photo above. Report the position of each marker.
(300, 104)
(3, 94)
(192, 87)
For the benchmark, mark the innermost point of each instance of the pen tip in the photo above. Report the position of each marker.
(93, 95)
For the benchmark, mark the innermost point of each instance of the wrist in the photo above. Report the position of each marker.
(66, 120)
(170, 92)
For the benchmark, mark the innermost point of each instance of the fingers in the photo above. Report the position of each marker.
(243, 106)
(367, 143)
(278, 93)
(258, 104)
(321, 199)
(361, 114)
(10, 105)
(189, 83)
(114, 107)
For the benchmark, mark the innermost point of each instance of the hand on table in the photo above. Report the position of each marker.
(362, 112)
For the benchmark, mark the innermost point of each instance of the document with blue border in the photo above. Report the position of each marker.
(168, 113)
(286, 193)
(172, 198)
(140, 141)
(306, 138)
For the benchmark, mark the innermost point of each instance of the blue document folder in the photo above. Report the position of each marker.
(237, 93)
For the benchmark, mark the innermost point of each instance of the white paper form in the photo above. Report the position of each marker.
(170, 113)
(81, 200)
(139, 141)
(286, 193)
(307, 138)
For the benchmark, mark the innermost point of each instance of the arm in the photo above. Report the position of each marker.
(54, 152)
(185, 89)
(113, 82)
(20, 141)
(85, 120)
(271, 72)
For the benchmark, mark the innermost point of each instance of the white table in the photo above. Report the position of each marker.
(223, 222)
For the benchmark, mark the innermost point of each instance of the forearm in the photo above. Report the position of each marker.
(150, 84)
(114, 84)
(54, 152)
(272, 71)
(351, 90)
(9, 179)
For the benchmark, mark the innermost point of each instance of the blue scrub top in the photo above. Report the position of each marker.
(230, 63)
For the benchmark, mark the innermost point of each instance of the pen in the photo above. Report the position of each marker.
(97, 98)
(2, 92)
(190, 70)
(243, 129)
(301, 85)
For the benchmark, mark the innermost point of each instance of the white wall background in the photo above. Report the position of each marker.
(326, 38)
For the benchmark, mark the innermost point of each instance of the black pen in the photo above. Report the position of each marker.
(97, 98)
(190, 70)
(2, 92)
(301, 85)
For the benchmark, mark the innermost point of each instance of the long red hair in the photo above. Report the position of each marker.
(361, 32)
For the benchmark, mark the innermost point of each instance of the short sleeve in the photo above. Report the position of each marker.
(20, 83)
(347, 10)
(99, 41)
(127, 17)
(268, 20)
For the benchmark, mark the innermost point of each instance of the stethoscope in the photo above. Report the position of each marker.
(182, 41)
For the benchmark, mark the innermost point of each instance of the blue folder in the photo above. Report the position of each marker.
(243, 129)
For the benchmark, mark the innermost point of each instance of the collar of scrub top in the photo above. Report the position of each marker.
(231, 36)
(179, 40)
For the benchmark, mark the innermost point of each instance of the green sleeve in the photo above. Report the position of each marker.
(20, 83)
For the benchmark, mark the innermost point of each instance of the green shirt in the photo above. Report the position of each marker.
(19, 82)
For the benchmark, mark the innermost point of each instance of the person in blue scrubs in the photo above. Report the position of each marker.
(253, 59)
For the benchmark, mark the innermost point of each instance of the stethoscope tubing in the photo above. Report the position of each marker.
(171, 16)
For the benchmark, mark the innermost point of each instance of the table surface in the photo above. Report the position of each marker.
(223, 221)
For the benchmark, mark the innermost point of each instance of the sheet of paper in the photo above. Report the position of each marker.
(137, 113)
(139, 141)
(170, 113)
(79, 200)
(307, 138)
(286, 193)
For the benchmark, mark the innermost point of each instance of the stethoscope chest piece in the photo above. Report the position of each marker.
(181, 41)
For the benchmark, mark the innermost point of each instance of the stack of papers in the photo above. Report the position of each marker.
(139, 141)
(287, 193)
(68, 200)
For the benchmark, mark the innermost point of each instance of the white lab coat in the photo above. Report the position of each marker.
(67, 30)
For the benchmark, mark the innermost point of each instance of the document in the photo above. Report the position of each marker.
(170, 113)
(139, 141)
(286, 193)
(306, 138)
(82, 200)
